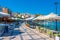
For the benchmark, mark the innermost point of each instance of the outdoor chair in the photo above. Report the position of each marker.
(11, 28)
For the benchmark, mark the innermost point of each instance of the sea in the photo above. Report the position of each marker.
(48, 24)
(52, 25)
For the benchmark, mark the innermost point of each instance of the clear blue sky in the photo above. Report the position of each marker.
(31, 6)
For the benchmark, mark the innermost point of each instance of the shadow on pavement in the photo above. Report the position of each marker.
(17, 26)
(13, 33)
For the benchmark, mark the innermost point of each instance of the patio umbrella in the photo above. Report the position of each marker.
(39, 18)
(52, 16)
(47, 17)
(30, 18)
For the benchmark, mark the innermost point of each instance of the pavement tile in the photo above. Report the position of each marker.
(28, 34)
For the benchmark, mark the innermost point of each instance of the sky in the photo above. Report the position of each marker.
(31, 6)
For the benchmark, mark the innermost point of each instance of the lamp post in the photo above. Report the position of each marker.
(56, 3)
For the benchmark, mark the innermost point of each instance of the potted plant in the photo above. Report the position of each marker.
(41, 29)
(57, 36)
(45, 30)
(49, 33)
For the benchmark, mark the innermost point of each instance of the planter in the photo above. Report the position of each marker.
(45, 30)
(37, 28)
(57, 36)
(50, 34)
(41, 30)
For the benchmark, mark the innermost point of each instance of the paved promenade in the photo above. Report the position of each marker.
(25, 33)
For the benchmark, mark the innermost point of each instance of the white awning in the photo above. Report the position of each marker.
(4, 14)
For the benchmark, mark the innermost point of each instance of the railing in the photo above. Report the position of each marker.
(47, 30)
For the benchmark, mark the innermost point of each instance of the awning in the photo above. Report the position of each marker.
(4, 14)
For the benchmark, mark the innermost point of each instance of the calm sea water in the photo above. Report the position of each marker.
(52, 25)
(49, 25)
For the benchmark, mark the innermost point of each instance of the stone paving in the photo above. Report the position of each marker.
(25, 33)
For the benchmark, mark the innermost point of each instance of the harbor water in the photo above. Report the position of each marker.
(50, 25)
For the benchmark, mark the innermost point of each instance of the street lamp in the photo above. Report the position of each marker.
(56, 3)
